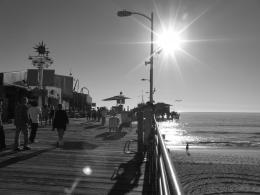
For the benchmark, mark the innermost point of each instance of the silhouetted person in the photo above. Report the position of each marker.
(34, 113)
(51, 114)
(94, 115)
(45, 114)
(187, 149)
(60, 122)
(21, 121)
(2, 133)
(103, 116)
(187, 146)
(98, 114)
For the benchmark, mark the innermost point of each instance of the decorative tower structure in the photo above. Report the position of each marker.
(41, 61)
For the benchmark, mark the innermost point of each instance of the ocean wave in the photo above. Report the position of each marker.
(225, 132)
(228, 143)
(219, 125)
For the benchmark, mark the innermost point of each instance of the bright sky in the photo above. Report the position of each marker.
(216, 70)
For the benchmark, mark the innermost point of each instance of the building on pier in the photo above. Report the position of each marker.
(56, 89)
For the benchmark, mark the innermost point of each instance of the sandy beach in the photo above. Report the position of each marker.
(205, 170)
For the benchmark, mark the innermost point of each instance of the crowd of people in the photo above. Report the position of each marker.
(98, 115)
(28, 117)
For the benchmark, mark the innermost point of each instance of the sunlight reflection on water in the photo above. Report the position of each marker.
(178, 135)
(175, 134)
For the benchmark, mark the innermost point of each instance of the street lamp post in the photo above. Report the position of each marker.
(125, 13)
(143, 79)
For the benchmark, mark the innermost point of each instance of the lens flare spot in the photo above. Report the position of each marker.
(87, 170)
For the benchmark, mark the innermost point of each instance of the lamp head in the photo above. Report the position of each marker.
(124, 13)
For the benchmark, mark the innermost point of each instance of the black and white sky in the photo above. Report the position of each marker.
(216, 70)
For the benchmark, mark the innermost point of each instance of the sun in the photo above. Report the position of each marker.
(170, 41)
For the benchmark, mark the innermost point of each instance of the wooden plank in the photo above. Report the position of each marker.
(49, 170)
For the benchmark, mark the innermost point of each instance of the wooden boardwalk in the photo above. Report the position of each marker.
(88, 147)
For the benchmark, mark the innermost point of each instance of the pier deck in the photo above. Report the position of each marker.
(88, 146)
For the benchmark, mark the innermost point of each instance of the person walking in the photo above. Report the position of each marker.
(98, 113)
(21, 121)
(51, 114)
(60, 122)
(2, 133)
(34, 113)
(45, 114)
(103, 116)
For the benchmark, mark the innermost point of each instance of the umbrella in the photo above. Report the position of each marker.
(118, 98)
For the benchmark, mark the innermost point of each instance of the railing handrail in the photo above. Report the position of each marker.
(170, 183)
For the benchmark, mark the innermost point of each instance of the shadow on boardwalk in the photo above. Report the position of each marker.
(23, 157)
(127, 176)
(111, 136)
(92, 126)
(78, 145)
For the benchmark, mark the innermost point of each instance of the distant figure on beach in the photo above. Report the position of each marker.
(21, 121)
(60, 122)
(34, 113)
(187, 149)
(187, 146)
(2, 133)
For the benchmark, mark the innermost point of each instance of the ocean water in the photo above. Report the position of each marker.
(213, 130)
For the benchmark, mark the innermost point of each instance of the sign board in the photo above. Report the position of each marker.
(33, 80)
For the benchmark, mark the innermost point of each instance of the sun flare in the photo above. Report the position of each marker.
(170, 41)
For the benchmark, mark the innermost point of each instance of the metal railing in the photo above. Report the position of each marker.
(162, 176)
(166, 179)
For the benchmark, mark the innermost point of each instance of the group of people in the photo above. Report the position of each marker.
(47, 114)
(97, 115)
(30, 116)
(167, 116)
